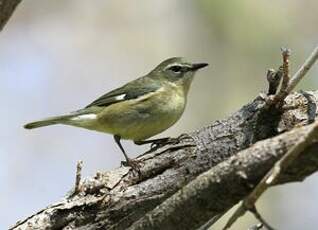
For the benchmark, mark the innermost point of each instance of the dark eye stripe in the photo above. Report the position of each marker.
(176, 68)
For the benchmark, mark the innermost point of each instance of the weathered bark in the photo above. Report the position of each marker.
(116, 199)
(6, 9)
(220, 188)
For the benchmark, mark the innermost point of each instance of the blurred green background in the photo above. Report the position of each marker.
(57, 56)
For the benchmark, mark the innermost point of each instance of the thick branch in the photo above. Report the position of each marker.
(220, 188)
(248, 204)
(116, 199)
(6, 9)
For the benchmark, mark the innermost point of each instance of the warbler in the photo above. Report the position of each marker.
(138, 110)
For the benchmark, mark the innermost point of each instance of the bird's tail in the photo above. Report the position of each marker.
(48, 121)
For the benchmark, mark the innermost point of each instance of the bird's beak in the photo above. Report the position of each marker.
(197, 66)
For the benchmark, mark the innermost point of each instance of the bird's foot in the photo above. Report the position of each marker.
(134, 164)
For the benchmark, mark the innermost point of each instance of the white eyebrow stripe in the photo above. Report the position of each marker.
(178, 64)
(173, 64)
(120, 97)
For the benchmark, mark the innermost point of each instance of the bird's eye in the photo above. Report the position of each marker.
(176, 68)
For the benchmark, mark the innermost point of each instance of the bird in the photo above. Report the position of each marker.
(138, 110)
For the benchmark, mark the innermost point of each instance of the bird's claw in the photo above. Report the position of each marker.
(134, 164)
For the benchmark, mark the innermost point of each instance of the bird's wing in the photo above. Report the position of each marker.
(132, 90)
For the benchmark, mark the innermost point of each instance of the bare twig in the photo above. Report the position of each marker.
(290, 83)
(285, 54)
(77, 187)
(212, 221)
(303, 70)
(282, 93)
(259, 217)
(240, 211)
(272, 176)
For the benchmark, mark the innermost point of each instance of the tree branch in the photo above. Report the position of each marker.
(248, 204)
(310, 61)
(116, 199)
(273, 175)
(6, 10)
(221, 187)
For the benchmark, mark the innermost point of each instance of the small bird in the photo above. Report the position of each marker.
(138, 110)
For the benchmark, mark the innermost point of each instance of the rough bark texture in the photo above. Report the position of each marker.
(117, 199)
(6, 9)
(218, 189)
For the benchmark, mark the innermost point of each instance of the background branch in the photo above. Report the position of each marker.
(303, 70)
(6, 10)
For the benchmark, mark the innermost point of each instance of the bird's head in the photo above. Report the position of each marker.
(178, 71)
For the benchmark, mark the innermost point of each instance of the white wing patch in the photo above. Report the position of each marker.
(120, 97)
(89, 116)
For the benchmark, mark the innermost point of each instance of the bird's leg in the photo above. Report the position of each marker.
(130, 162)
(156, 143)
